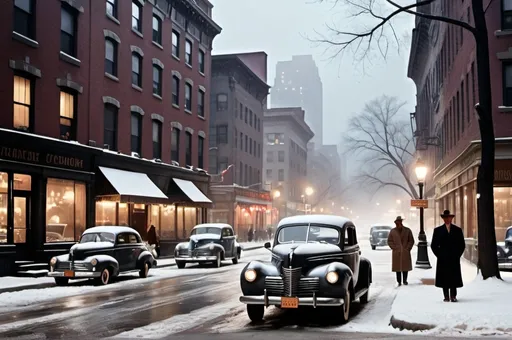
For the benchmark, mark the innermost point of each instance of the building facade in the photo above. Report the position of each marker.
(443, 66)
(118, 90)
(298, 84)
(285, 158)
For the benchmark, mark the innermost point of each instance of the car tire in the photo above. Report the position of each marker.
(180, 264)
(345, 309)
(218, 261)
(61, 281)
(364, 298)
(239, 254)
(105, 277)
(374, 247)
(255, 312)
(144, 271)
(235, 259)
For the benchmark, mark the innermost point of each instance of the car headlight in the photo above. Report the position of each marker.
(53, 261)
(94, 262)
(332, 277)
(250, 275)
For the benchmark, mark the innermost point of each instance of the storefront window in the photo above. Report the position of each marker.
(458, 212)
(105, 213)
(168, 224)
(3, 207)
(502, 211)
(465, 207)
(22, 182)
(65, 210)
(123, 214)
(180, 221)
(190, 219)
(154, 218)
(20, 219)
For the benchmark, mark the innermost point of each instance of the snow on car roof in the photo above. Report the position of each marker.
(213, 225)
(382, 225)
(322, 219)
(110, 229)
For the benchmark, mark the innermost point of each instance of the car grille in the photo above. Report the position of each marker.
(78, 266)
(291, 284)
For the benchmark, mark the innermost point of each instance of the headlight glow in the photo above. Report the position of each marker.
(94, 262)
(332, 277)
(53, 261)
(250, 275)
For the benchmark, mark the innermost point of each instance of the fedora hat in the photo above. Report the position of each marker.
(398, 218)
(447, 213)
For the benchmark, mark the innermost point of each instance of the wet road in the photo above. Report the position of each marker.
(110, 312)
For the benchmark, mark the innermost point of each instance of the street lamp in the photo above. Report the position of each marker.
(422, 260)
(308, 192)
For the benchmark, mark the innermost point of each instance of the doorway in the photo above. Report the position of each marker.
(21, 223)
(139, 219)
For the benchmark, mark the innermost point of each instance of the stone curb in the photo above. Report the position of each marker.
(411, 326)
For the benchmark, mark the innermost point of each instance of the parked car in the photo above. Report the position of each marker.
(316, 261)
(209, 243)
(379, 235)
(505, 251)
(102, 254)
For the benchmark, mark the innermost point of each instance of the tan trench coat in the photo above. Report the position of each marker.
(401, 244)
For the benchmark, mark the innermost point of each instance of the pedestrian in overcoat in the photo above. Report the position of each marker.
(448, 246)
(401, 241)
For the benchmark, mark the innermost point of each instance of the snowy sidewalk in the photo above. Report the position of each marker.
(483, 307)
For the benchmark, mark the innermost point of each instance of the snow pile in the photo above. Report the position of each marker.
(483, 308)
(11, 281)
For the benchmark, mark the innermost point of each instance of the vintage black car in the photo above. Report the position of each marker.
(505, 251)
(209, 242)
(102, 254)
(316, 261)
(379, 235)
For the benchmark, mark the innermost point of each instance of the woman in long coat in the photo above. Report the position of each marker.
(401, 241)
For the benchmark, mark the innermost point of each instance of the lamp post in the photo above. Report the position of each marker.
(275, 196)
(308, 192)
(422, 260)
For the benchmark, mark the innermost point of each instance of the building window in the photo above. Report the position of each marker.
(68, 30)
(275, 138)
(506, 21)
(200, 103)
(188, 52)
(110, 127)
(241, 111)
(23, 107)
(157, 139)
(66, 203)
(270, 156)
(112, 8)
(111, 57)
(136, 16)
(157, 80)
(188, 148)
(67, 116)
(175, 90)
(507, 80)
(175, 44)
(250, 146)
(241, 141)
(136, 69)
(136, 132)
(175, 145)
(188, 97)
(269, 174)
(246, 115)
(222, 134)
(222, 102)
(201, 61)
(200, 152)
(24, 18)
(250, 118)
(157, 30)
(280, 175)
(246, 143)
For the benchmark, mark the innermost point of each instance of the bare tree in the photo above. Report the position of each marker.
(385, 143)
(382, 33)
(328, 194)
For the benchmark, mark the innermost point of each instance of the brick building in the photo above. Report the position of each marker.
(442, 65)
(90, 86)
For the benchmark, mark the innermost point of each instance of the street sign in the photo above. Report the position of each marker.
(419, 204)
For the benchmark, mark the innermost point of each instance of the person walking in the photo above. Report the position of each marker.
(401, 241)
(448, 246)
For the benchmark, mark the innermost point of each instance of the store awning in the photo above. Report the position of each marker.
(192, 192)
(133, 187)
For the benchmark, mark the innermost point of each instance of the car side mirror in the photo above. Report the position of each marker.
(267, 245)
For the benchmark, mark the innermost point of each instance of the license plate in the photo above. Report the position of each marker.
(69, 273)
(289, 302)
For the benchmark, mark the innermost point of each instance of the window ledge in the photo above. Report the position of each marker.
(112, 77)
(202, 73)
(175, 57)
(114, 19)
(137, 33)
(176, 106)
(501, 33)
(158, 45)
(25, 40)
(157, 96)
(135, 87)
(188, 65)
(505, 109)
(188, 111)
(69, 59)
(201, 117)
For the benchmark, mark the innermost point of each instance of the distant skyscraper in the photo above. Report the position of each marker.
(298, 84)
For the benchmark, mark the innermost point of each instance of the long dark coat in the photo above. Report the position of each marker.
(448, 247)
(401, 244)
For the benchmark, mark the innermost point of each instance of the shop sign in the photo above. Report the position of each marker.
(253, 194)
(419, 204)
(108, 198)
(503, 171)
(43, 158)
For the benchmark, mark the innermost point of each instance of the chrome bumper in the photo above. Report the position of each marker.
(196, 259)
(505, 265)
(77, 275)
(303, 301)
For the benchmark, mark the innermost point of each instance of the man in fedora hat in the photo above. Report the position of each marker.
(401, 241)
(448, 246)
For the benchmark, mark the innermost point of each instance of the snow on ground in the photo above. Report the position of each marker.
(11, 281)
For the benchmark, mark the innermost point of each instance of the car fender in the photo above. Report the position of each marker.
(338, 289)
(64, 257)
(144, 256)
(104, 261)
(365, 273)
(182, 245)
(257, 286)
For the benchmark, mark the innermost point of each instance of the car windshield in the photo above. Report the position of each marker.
(206, 230)
(97, 237)
(509, 234)
(381, 228)
(308, 234)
